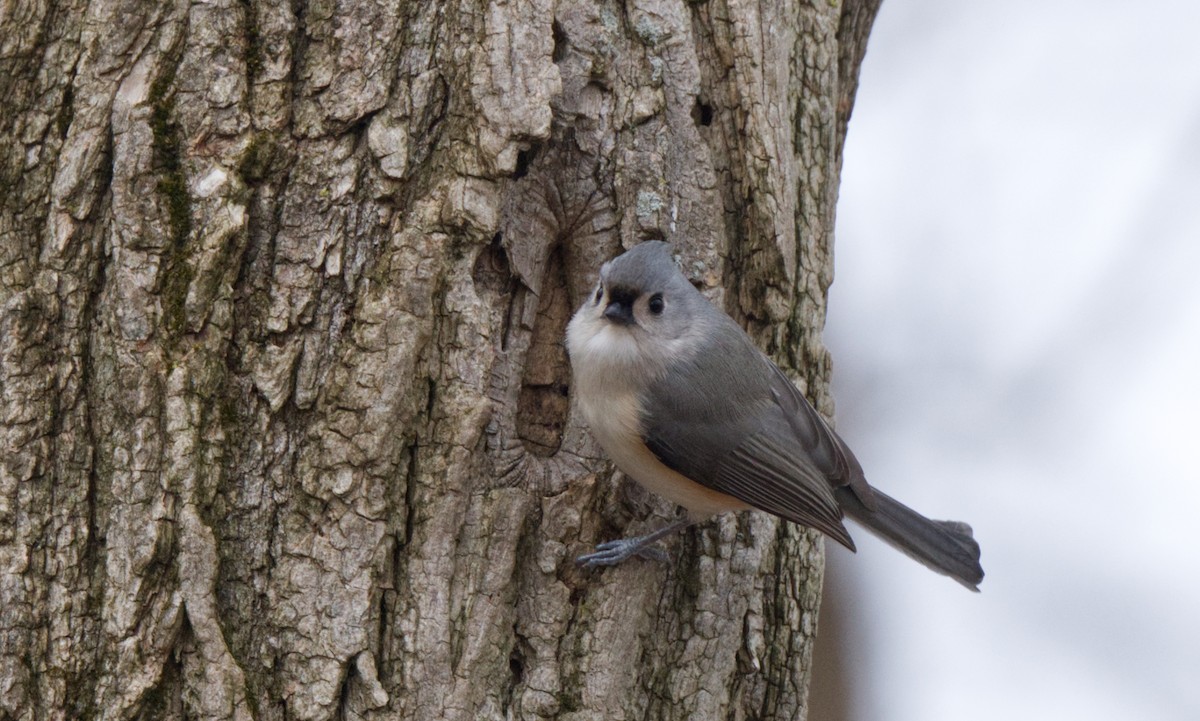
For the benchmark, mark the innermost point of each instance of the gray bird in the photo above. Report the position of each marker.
(685, 404)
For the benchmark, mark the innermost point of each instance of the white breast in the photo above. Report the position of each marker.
(606, 369)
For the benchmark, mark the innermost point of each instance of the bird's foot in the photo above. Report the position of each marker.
(610, 553)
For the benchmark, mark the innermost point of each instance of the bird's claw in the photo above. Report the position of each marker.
(610, 553)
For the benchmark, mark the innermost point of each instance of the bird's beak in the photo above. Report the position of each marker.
(619, 313)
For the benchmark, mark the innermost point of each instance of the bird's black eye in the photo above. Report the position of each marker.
(656, 304)
(599, 295)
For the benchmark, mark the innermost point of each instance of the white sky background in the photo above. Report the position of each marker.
(1015, 327)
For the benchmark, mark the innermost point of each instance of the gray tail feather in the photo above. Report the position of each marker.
(947, 547)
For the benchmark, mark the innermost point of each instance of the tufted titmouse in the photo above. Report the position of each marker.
(679, 396)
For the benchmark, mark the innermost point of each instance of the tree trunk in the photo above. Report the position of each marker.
(287, 430)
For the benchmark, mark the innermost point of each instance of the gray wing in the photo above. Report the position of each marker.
(732, 421)
(833, 456)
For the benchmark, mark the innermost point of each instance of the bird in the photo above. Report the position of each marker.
(684, 403)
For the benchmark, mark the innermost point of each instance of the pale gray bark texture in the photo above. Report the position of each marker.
(286, 424)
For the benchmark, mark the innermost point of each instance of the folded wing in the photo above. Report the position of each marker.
(733, 422)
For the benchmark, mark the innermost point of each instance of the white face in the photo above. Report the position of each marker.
(623, 330)
(647, 308)
(593, 339)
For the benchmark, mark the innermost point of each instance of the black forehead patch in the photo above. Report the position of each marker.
(622, 294)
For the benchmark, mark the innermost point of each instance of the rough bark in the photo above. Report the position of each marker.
(286, 423)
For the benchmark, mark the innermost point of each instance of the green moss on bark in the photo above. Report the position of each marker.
(173, 192)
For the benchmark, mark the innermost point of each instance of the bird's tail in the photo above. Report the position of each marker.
(947, 547)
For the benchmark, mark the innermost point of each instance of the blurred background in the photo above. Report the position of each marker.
(1015, 327)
